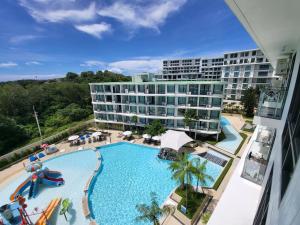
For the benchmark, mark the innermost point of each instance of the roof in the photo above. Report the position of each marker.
(174, 139)
(161, 82)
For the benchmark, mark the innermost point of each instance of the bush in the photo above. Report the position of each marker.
(205, 218)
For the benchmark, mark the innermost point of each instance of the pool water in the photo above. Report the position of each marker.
(76, 168)
(233, 138)
(128, 174)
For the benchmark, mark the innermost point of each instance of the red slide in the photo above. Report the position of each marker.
(54, 179)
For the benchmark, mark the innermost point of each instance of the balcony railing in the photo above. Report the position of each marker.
(271, 103)
(258, 156)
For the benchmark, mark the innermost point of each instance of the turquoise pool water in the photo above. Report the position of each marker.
(233, 138)
(76, 168)
(128, 174)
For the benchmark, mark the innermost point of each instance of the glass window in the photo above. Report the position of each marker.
(142, 109)
(214, 114)
(110, 117)
(202, 114)
(132, 99)
(132, 109)
(161, 111)
(151, 110)
(142, 99)
(192, 101)
(193, 88)
(107, 88)
(131, 88)
(218, 89)
(170, 111)
(216, 102)
(213, 126)
(109, 108)
(161, 100)
(142, 120)
(170, 100)
(180, 124)
(203, 101)
(141, 88)
(170, 123)
(171, 88)
(161, 89)
(151, 89)
(182, 88)
(181, 100)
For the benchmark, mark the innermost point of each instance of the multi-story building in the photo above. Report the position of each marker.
(245, 69)
(238, 70)
(264, 187)
(116, 103)
(191, 69)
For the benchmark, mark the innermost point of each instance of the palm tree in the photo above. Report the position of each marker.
(182, 172)
(134, 119)
(199, 171)
(189, 116)
(152, 212)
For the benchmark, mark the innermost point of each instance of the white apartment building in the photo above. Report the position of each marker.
(191, 69)
(117, 103)
(264, 188)
(245, 69)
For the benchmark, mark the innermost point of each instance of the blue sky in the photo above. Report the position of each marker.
(47, 38)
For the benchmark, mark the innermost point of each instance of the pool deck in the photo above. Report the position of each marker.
(11, 173)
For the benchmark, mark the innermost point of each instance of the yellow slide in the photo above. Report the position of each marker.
(48, 212)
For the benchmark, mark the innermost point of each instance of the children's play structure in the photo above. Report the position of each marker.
(44, 176)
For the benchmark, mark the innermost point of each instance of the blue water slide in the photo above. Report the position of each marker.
(50, 182)
(31, 189)
(52, 174)
(36, 187)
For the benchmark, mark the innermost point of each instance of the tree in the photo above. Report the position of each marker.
(199, 171)
(182, 172)
(249, 101)
(71, 76)
(134, 119)
(190, 116)
(152, 213)
(155, 128)
(11, 134)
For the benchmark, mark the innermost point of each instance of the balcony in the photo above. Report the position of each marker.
(271, 103)
(258, 156)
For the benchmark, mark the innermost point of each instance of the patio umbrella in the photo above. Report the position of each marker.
(44, 145)
(41, 155)
(95, 134)
(146, 136)
(32, 158)
(82, 137)
(127, 133)
(73, 138)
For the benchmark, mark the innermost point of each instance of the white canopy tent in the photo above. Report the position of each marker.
(96, 134)
(73, 138)
(127, 133)
(174, 139)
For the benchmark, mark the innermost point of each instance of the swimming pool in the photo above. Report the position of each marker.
(76, 168)
(233, 138)
(128, 174)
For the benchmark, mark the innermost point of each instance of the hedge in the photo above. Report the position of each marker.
(222, 175)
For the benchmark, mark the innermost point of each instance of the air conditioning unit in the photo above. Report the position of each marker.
(282, 65)
(126, 91)
(188, 105)
(146, 91)
(189, 93)
(208, 106)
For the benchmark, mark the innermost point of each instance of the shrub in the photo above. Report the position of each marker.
(244, 136)
(205, 218)
(222, 175)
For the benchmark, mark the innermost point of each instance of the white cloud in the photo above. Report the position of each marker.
(149, 15)
(33, 63)
(95, 30)
(135, 66)
(22, 38)
(8, 64)
(59, 11)
(93, 63)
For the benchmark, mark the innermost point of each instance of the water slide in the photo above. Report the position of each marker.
(20, 189)
(52, 174)
(53, 181)
(34, 187)
(48, 212)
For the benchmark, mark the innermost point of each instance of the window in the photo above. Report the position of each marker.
(161, 89)
(170, 111)
(193, 88)
(264, 67)
(143, 120)
(132, 99)
(170, 100)
(181, 100)
(213, 126)
(142, 109)
(107, 88)
(142, 99)
(132, 109)
(262, 73)
(141, 88)
(182, 88)
(109, 108)
(171, 88)
(214, 114)
(216, 102)
(192, 101)
(218, 89)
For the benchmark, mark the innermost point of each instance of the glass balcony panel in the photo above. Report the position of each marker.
(271, 103)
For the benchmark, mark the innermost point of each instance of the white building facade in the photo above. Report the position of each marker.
(117, 103)
(264, 189)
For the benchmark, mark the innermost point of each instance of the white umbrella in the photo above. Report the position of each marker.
(96, 134)
(146, 136)
(73, 138)
(174, 139)
(127, 133)
(156, 138)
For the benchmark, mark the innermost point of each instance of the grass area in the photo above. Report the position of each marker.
(248, 130)
(248, 119)
(222, 175)
(211, 140)
(244, 136)
(195, 200)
